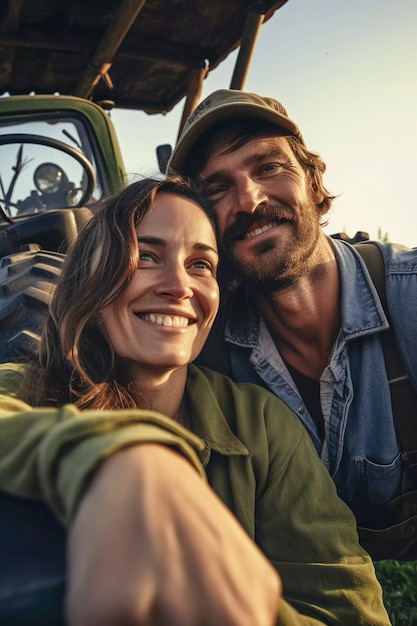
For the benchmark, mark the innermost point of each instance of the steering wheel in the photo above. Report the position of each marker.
(59, 145)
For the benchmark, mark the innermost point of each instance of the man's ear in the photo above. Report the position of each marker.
(316, 195)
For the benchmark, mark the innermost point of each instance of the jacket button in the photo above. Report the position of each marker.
(301, 410)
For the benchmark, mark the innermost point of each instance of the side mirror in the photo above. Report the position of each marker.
(163, 153)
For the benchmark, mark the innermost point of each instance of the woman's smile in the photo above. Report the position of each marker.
(173, 293)
(168, 321)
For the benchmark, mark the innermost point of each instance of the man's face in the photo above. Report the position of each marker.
(268, 220)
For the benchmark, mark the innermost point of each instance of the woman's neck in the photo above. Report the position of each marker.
(165, 393)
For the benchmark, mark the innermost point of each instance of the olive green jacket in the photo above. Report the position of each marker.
(256, 456)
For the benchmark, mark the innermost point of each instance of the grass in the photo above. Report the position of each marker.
(399, 588)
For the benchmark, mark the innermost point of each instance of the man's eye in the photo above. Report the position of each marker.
(272, 167)
(215, 191)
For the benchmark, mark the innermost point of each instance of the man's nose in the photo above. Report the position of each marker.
(176, 283)
(250, 195)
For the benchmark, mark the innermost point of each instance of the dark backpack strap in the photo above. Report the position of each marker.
(403, 396)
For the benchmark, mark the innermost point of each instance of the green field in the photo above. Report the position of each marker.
(399, 586)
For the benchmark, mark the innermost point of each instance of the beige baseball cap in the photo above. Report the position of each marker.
(225, 104)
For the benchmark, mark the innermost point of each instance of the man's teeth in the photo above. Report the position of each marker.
(258, 231)
(173, 321)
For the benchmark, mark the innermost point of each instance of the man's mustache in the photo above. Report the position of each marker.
(247, 221)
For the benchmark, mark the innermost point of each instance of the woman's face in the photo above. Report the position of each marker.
(162, 319)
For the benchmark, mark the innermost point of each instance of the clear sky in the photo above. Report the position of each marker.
(346, 72)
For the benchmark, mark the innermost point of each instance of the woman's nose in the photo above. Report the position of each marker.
(176, 284)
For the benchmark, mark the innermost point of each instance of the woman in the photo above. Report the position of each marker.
(150, 542)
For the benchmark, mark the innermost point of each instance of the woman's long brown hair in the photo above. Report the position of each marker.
(75, 362)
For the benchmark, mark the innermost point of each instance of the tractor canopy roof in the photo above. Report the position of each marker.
(139, 54)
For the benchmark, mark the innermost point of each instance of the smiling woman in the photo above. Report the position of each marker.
(161, 320)
(111, 420)
(147, 295)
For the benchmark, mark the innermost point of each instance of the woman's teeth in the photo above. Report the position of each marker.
(173, 321)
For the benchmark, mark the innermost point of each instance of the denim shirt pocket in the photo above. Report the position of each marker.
(380, 482)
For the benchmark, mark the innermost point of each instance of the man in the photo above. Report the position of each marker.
(304, 319)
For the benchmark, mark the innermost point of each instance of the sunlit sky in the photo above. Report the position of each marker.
(346, 72)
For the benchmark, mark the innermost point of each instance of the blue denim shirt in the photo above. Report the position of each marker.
(361, 448)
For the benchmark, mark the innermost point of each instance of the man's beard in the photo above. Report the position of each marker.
(268, 270)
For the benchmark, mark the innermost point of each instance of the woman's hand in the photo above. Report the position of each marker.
(152, 544)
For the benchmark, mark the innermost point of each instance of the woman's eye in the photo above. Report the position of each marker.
(146, 256)
(201, 264)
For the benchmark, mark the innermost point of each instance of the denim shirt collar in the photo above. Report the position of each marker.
(362, 312)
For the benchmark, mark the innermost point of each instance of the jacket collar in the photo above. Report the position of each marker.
(209, 422)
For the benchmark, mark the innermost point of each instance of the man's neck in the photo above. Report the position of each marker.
(304, 318)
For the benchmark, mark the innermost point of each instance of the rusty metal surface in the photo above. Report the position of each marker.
(140, 54)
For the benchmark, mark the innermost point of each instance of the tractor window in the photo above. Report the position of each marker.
(47, 162)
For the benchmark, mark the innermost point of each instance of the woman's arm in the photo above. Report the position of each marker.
(152, 544)
(140, 516)
(51, 453)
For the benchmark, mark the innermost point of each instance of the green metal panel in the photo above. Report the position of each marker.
(97, 119)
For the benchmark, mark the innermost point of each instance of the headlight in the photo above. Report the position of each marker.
(49, 178)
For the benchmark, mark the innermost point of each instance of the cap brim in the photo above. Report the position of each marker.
(218, 114)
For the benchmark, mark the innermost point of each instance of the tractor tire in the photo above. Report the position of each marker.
(26, 285)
